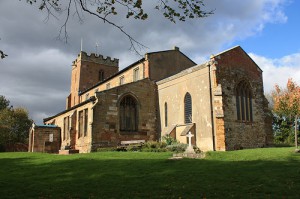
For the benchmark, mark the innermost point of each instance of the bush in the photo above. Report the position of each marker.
(177, 148)
(169, 140)
(153, 146)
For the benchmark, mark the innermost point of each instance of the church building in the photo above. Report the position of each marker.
(221, 102)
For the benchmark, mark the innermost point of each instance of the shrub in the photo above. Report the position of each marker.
(153, 146)
(169, 140)
(177, 148)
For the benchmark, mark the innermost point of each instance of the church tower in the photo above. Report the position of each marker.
(87, 70)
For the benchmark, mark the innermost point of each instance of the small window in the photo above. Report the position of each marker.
(166, 114)
(122, 80)
(187, 108)
(108, 86)
(96, 90)
(101, 75)
(136, 74)
(87, 96)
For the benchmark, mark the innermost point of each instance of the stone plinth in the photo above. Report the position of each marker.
(68, 152)
(189, 155)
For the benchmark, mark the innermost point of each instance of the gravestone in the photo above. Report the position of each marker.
(190, 149)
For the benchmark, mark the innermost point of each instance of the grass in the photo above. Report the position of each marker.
(256, 173)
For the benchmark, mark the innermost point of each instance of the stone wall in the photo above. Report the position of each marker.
(106, 129)
(166, 63)
(172, 91)
(71, 137)
(115, 81)
(85, 73)
(230, 68)
(39, 139)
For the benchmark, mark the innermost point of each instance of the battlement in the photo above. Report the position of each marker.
(100, 59)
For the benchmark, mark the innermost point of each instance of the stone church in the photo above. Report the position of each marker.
(221, 102)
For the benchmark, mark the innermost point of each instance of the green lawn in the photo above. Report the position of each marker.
(257, 173)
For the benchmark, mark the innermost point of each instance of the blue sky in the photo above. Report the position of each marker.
(277, 39)
(36, 73)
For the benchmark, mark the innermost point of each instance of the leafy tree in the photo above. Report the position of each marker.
(287, 105)
(105, 10)
(4, 103)
(14, 124)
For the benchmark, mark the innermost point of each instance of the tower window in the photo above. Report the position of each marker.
(101, 75)
(128, 114)
(244, 102)
(187, 108)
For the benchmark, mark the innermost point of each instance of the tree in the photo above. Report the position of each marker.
(14, 124)
(105, 10)
(4, 103)
(287, 104)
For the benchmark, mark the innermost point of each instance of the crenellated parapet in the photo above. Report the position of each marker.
(100, 59)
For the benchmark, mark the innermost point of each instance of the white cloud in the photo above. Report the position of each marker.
(36, 72)
(278, 71)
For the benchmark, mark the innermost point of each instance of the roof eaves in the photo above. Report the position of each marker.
(91, 99)
(111, 77)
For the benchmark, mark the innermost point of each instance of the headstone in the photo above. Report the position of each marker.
(190, 148)
(51, 137)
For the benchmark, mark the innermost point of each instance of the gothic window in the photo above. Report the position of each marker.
(128, 114)
(101, 75)
(244, 102)
(187, 108)
(166, 114)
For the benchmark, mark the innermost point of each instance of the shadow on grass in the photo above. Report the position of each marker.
(92, 176)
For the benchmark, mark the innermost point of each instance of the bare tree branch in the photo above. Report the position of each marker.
(64, 26)
(172, 10)
(133, 42)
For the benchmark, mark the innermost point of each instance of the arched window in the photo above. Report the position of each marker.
(244, 101)
(166, 114)
(101, 75)
(128, 114)
(187, 108)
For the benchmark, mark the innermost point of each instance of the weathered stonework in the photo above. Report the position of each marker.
(157, 85)
(106, 130)
(231, 67)
(171, 92)
(85, 74)
(44, 139)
